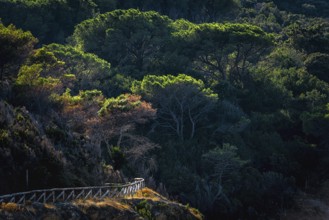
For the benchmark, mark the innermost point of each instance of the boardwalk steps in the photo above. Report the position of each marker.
(69, 194)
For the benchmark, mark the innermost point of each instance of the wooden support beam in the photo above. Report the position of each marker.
(21, 200)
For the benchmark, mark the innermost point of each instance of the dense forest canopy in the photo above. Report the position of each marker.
(220, 104)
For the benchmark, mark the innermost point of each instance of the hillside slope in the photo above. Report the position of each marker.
(146, 204)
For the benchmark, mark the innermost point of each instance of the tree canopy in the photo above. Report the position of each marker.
(130, 40)
(221, 104)
(16, 45)
(182, 101)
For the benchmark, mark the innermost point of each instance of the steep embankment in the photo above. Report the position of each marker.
(146, 204)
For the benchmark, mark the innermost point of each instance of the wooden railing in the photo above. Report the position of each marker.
(69, 194)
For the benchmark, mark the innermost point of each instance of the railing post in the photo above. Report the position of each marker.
(54, 195)
(21, 200)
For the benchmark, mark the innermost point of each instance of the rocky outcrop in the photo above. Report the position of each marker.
(146, 204)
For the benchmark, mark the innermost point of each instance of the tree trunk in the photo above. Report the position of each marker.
(192, 123)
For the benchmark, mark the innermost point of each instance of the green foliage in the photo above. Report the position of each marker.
(30, 76)
(151, 85)
(84, 96)
(317, 64)
(129, 39)
(196, 10)
(311, 8)
(21, 143)
(4, 136)
(118, 158)
(223, 51)
(106, 5)
(34, 88)
(49, 20)
(90, 95)
(258, 81)
(144, 209)
(16, 45)
(137, 43)
(182, 101)
(316, 125)
(66, 98)
(223, 160)
(220, 166)
(90, 72)
(302, 85)
(310, 35)
(285, 57)
(124, 102)
(62, 66)
(262, 13)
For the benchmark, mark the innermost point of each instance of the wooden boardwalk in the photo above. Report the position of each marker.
(70, 194)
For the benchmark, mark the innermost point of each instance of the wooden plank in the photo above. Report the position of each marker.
(12, 199)
(60, 195)
(114, 192)
(107, 192)
(99, 192)
(21, 200)
(51, 195)
(32, 198)
(82, 193)
(42, 196)
(69, 196)
(89, 193)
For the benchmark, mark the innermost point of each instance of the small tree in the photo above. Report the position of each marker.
(220, 165)
(117, 121)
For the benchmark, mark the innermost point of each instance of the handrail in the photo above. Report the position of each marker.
(69, 194)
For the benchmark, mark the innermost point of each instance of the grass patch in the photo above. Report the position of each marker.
(196, 213)
(49, 206)
(9, 207)
(149, 194)
(104, 203)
